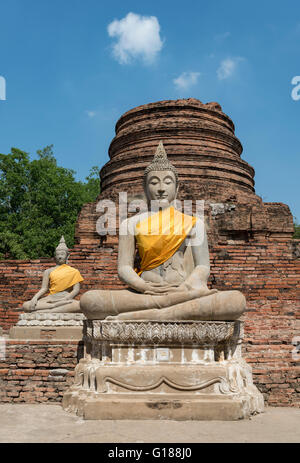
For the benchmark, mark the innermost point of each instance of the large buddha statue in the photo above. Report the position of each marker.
(171, 281)
(63, 284)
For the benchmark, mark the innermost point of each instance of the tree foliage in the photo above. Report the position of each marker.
(297, 230)
(39, 202)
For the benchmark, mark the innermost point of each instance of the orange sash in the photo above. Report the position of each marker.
(161, 235)
(63, 277)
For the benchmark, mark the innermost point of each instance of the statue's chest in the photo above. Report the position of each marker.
(172, 271)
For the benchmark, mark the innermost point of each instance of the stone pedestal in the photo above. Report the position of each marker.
(47, 325)
(187, 370)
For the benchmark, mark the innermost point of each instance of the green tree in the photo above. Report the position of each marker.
(297, 230)
(39, 202)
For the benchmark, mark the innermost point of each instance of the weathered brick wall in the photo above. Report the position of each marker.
(274, 372)
(37, 371)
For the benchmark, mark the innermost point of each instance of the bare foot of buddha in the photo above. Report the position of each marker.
(196, 293)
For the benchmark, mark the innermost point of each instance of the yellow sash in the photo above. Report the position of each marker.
(63, 277)
(160, 236)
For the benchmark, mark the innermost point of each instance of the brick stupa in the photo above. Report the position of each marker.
(200, 141)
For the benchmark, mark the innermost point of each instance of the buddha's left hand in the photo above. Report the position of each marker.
(201, 290)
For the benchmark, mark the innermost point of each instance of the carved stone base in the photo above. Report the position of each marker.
(163, 370)
(47, 325)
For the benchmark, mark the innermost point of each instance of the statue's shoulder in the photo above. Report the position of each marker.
(129, 224)
(198, 229)
(51, 269)
(48, 271)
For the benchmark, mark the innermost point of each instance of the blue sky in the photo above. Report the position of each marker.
(67, 85)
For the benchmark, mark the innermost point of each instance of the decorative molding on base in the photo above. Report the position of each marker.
(150, 363)
(161, 332)
(50, 319)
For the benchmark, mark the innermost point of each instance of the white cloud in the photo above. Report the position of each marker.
(221, 37)
(186, 80)
(137, 37)
(90, 113)
(228, 67)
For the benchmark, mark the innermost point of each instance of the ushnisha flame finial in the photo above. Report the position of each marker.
(62, 245)
(160, 162)
(160, 153)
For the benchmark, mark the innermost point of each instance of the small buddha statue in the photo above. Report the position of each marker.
(171, 281)
(63, 284)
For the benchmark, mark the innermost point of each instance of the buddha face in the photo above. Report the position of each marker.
(61, 256)
(161, 187)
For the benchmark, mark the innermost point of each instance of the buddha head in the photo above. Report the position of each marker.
(61, 252)
(161, 179)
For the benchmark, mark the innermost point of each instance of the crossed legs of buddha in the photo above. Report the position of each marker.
(47, 304)
(192, 305)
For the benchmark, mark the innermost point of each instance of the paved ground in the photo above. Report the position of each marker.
(49, 423)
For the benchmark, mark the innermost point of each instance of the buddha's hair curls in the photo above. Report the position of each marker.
(160, 162)
(62, 246)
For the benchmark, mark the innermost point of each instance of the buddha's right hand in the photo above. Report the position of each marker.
(156, 289)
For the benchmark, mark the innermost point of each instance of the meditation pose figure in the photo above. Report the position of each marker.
(63, 284)
(171, 281)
